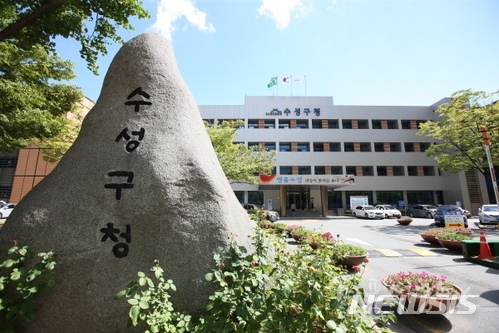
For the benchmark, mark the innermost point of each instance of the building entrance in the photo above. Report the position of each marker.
(302, 201)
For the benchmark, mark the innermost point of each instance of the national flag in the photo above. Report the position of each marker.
(273, 82)
(285, 79)
(300, 79)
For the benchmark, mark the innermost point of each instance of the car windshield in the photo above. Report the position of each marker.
(490, 208)
(369, 208)
(448, 208)
(389, 207)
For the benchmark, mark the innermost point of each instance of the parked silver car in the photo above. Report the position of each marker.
(488, 214)
(427, 211)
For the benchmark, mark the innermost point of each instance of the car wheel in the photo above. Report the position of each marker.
(1, 216)
(429, 215)
(272, 218)
(386, 216)
(366, 216)
(411, 214)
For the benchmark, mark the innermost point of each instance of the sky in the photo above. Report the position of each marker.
(360, 52)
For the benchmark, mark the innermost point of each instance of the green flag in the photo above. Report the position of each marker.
(273, 82)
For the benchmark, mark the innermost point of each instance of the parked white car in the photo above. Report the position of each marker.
(6, 210)
(389, 211)
(488, 214)
(368, 212)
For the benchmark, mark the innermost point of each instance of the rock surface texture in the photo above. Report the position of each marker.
(140, 183)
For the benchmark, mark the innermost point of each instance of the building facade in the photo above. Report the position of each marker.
(21, 170)
(328, 153)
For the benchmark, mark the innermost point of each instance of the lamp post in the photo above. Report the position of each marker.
(485, 136)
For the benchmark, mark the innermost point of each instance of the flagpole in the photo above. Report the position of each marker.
(305, 88)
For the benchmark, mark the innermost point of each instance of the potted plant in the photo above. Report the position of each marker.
(451, 240)
(349, 255)
(423, 292)
(429, 235)
(404, 220)
(300, 233)
(317, 239)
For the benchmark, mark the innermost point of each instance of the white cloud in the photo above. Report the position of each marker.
(169, 11)
(281, 10)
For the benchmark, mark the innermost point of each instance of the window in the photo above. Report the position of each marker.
(406, 124)
(285, 170)
(409, 147)
(336, 170)
(392, 124)
(333, 123)
(319, 170)
(210, 122)
(379, 147)
(390, 197)
(395, 147)
(418, 122)
(348, 146)
(381, 171)
(302, 123)
(284, 123)
(412, 171)
(398, 170)
(316, 123)
(304, 170)
(251, 144)
(269, 123)
(255, 197)
(351, 170)
(367, 171)
(347, 124)
(318, 146)
(376, 124)
(284, 146)
(303, 146)
(270, 145)
(239, 196)
(429, 171)
(334, 146)
(252, 123)
(365, 146)
(362, 124)
(423, 146)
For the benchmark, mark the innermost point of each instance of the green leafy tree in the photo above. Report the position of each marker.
(33, 99)
(460, 145)
(239, 163)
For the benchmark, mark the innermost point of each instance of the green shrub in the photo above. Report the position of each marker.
(23, 276)
(278, 289)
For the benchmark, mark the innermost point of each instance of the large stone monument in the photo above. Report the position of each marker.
(140, 183)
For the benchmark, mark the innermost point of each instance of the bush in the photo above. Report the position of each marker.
(23, 276)
(277, 289)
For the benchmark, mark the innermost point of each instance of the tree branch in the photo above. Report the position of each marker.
(15, 27)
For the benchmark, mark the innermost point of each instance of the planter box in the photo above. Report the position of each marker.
(471, 249)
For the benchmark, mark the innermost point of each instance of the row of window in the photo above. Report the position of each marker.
(326, 123)
(359, 170)
(347, 146)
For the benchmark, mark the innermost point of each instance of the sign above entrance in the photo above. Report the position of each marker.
(342, 180)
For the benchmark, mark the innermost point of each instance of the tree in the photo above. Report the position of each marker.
(239, 163)
(33, 100)
(93, 23)
(460, 146)
(32, 106)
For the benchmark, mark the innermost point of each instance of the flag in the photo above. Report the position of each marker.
(300, 79)
(273, 82)
(285, 79)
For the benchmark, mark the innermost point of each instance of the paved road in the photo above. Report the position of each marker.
(394, 248)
